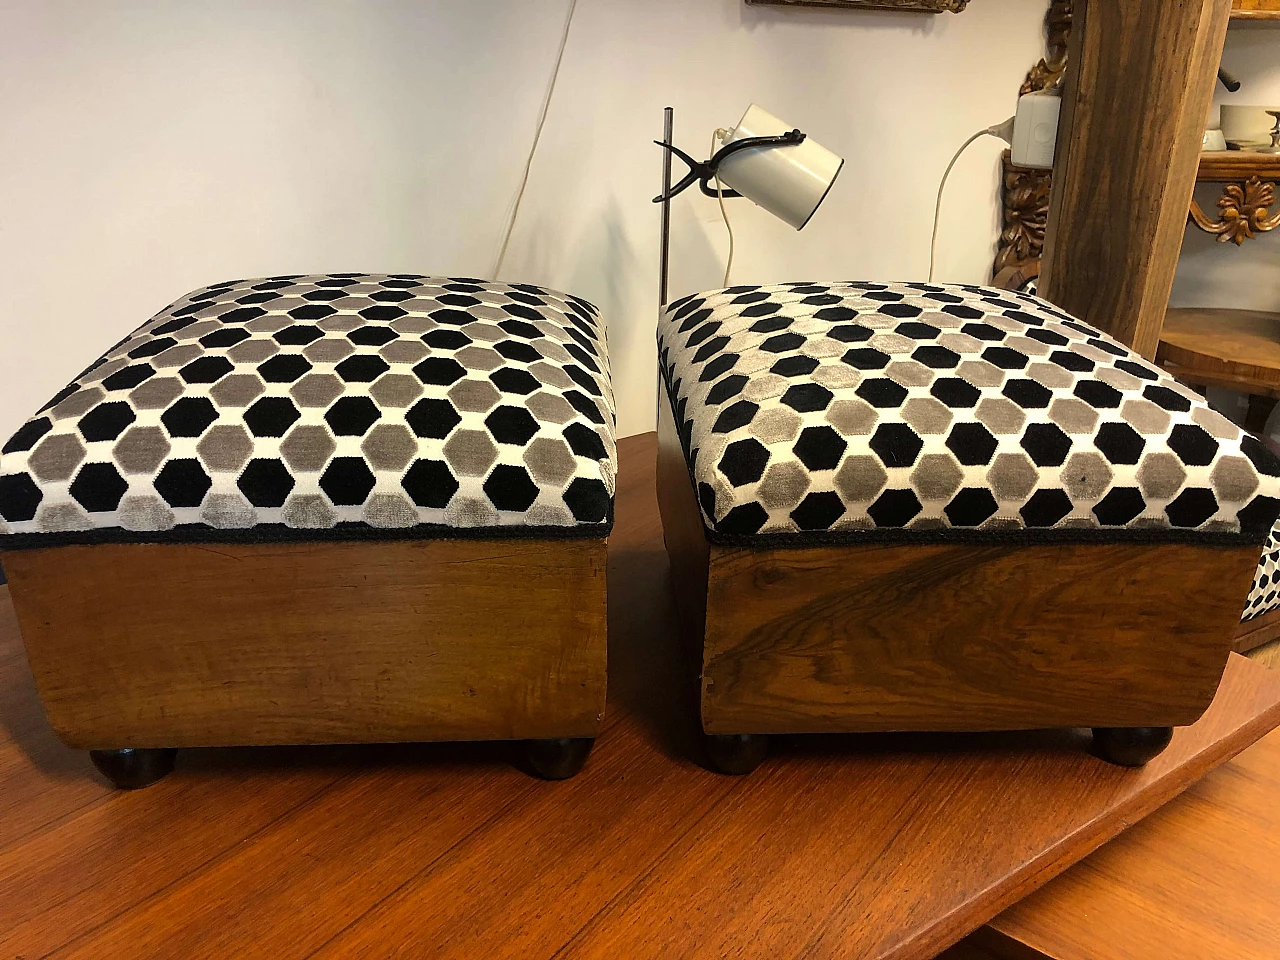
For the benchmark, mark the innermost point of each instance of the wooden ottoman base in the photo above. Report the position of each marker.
(182, 645)
(951, 636)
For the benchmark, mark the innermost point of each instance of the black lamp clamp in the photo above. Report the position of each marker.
(703, 173)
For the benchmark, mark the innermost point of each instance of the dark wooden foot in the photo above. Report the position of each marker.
(131, 769)
(1130, 746)
(735, 754)
(557, 759)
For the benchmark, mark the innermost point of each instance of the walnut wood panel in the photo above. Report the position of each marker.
(878, 847)
(1238, 348)
(315, 643)
(1138, 84)
(962, 637)
(686, 546)
(1199, 878)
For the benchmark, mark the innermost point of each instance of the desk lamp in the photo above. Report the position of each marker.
(762, 159)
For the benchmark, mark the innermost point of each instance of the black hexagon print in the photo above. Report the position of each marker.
(323, 406)
(1265, 595)
(856, 408)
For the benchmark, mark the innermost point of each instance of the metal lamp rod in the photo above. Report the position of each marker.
(664, 268)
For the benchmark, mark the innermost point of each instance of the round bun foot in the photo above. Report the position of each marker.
(734, 754)
(131, 769)
(1130, 746)
(557, 759)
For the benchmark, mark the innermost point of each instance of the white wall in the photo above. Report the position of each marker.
(1214, 274)
(150, 147)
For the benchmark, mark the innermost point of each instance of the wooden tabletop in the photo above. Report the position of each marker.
(887, 846)
(1199, 878)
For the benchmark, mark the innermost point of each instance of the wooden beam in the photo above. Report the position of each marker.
(1138, 87)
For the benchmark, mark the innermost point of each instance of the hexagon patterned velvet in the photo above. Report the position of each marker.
(896, 409)
(325, 406)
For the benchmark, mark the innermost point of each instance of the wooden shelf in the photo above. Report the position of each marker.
(1239, 349)
(1255, 10)
(1229, 166)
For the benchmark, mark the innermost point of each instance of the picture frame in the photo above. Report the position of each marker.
(901, 6)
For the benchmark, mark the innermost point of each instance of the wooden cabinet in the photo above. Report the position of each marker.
(1239, 349)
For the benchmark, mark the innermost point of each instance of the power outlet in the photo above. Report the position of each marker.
(1035, 130)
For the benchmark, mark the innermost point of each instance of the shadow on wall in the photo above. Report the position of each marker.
(610, 271)
(603, 261)
(699, 245)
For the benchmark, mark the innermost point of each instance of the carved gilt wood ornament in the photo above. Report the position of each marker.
(1049, 70)
(1245, 212)
(1026, 192)
(1026, 213)
(909, 6)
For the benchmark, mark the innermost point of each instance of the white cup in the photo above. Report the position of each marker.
(1246, 123)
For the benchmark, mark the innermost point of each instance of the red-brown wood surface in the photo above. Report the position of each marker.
(873, 846)
(1199, 878)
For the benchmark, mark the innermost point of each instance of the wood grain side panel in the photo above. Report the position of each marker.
(682, 531)
(963, 637)
(195, 645)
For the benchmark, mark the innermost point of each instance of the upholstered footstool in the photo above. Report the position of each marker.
(945, 508)
(322, 509)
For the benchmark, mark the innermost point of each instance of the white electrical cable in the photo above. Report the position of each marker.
(1003, 131)
(716, 138)
(537, 136)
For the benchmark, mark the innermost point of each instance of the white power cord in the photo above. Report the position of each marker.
(1003, 131)
(716, 138)
(537, 136)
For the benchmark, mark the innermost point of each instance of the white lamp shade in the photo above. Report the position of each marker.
(789, 181)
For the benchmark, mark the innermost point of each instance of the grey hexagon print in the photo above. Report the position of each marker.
(316, 407)
(826, 410)
(1265, 595)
